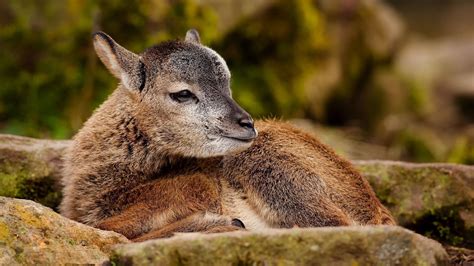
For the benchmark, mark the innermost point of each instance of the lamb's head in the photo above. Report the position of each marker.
(181, 93)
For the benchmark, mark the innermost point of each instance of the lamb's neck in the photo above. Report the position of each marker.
(124, 142)
(142, 151)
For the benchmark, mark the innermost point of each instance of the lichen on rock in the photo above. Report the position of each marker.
(433, 199)
(436, 200)
(31, 234)
(380, 245)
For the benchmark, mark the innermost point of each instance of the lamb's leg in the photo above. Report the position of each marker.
(199, 222)
(131, 222)
(162, 202)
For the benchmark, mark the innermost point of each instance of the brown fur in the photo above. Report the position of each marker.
(131, 169)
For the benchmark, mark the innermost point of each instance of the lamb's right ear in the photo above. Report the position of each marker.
(122, 63)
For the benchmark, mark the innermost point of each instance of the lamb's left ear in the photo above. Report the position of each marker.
(193, 36)
(122, 63)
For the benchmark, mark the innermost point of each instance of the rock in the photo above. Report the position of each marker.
(459, 256)
(382, 245)
(433, 199)
(31, 234)
(30, 168)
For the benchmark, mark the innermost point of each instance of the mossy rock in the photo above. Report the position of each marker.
(382, 245)
(30, 168)
(434, 199)
(31, 234)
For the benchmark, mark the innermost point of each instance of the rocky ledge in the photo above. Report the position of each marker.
(31, 234)
(436, 200)
(30, 168)
(380, 245)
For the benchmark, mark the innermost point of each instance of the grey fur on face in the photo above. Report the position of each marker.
(186, 86)
(126, 170)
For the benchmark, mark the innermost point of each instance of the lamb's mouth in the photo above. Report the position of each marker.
(243, 139)
(246, 136)
(240, 139)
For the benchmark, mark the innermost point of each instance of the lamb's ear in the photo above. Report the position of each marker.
(122, 63)
(193, 36)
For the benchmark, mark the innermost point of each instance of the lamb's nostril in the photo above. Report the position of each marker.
(246, 132)
(246, 122)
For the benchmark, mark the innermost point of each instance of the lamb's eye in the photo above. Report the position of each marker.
(183, 96)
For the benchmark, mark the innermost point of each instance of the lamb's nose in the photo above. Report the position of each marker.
(246, 122)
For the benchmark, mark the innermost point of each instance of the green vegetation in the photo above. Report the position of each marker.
(446, 226)
(29, 181)
(50, 77)
(426, 198)
(319, 60)
(269, 65)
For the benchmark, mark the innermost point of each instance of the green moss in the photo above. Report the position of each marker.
(9, 185)
(43, 191)
(425, 199)
(26, 177)
(446, 226)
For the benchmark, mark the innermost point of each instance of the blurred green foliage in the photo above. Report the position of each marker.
(51, 79)
(272, 55)
(326, 60)
(49, 74)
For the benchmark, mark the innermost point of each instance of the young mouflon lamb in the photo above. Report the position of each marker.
(171, 151)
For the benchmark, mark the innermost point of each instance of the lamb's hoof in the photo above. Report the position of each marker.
(238, 223)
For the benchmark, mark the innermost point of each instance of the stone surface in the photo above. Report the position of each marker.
(30, 168)
(460, 256)
(381, 245)
(31, 234)
(434, 199)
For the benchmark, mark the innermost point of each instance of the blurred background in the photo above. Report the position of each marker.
(373, 79)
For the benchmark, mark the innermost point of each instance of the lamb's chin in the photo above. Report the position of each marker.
(220, 146)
